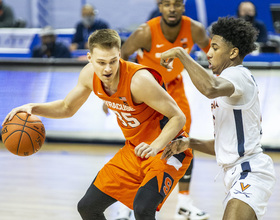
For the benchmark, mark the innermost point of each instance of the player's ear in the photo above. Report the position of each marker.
(89, 56)
(234, 53)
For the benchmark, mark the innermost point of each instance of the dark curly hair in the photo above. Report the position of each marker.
(238, 32)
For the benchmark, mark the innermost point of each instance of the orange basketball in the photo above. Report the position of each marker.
(24, 134)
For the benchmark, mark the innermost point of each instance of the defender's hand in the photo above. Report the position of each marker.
(175, 147)
(168, 56)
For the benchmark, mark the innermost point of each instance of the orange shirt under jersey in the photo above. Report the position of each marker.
(139, 122)
(161, 44)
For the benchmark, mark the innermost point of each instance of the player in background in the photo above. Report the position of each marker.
(149, 119)
(249, 174)
(170, 30)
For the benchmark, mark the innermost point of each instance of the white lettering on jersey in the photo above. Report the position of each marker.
(119, 106)
(159, 45)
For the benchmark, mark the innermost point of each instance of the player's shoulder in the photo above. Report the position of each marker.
(237, 73)
(142, 35)
(86, 73)
(87, 68)
(140, 73)
(143, 30)
(235, 69)
(142, 76)
(196, 25)
(86, 76)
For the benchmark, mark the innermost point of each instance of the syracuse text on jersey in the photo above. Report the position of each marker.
(119, 106)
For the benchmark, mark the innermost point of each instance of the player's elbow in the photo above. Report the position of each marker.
(211, 92)
(69, 114)
(68, 111)
(182, 119)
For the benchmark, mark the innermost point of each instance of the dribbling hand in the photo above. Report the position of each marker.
(24, 108)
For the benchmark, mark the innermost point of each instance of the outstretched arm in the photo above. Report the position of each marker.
(61, 108)
(145, 88)
(179, 145)
(205, 82)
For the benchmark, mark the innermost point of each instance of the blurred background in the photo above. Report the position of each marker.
(26, 78)
(42, 50)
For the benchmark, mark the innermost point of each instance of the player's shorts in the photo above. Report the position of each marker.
(252, 182)
(125, 173)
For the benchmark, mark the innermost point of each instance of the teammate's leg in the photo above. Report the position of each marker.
(94, 203)
(184, 182)
(123, 212)
(185, 208)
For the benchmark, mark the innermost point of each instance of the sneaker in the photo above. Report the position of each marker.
(185, 209)
(123, 213)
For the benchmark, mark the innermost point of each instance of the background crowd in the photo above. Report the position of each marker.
(90, 20)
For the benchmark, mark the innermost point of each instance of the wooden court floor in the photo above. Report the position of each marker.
(48, 185)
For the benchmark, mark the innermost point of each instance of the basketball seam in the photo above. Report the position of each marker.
(26, 119)
(10, 135)
(27, 127)
(21, 133)
(30, 140)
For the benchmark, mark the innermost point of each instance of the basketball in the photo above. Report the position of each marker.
(24, 134)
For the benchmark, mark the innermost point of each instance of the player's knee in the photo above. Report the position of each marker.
(87, 210)
(145, 204)
(142, 212)
(82, 207)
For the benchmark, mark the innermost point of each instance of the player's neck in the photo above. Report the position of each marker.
(170, 33)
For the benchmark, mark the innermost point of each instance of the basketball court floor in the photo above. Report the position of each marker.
(49, 184)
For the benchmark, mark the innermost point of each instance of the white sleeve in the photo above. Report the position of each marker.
(237, 78)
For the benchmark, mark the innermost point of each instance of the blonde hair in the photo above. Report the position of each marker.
(105, 39)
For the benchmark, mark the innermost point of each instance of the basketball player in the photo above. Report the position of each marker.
(248, 173)
(150, 40)
(149, 119)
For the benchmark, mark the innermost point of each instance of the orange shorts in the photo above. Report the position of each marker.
(176, 90)
(125, 173)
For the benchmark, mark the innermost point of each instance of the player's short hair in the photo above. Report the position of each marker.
(238, 32)
(105, 39)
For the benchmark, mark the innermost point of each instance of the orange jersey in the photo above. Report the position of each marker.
(125, 173)
(139, 122)
(160, 44)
